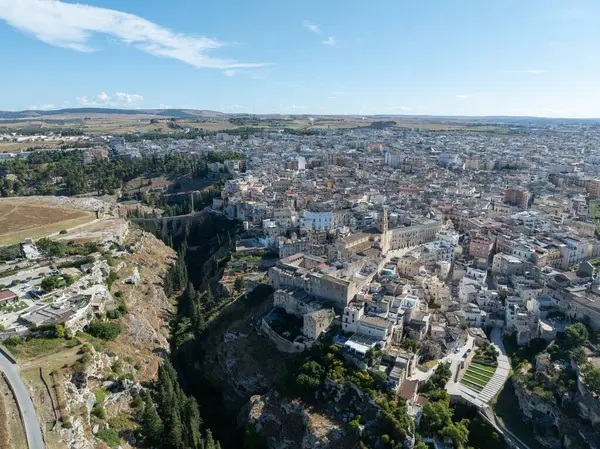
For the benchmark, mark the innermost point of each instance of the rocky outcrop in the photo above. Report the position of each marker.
(293, 424)
(556, 425)
(138, 350)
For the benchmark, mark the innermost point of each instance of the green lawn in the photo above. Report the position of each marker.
(471, 385)
(490, 369)
(478, 376)
(474, 380)
(482, 378)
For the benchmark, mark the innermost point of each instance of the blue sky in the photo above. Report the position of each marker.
(451, 57)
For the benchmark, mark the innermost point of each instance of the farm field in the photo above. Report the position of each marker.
(477, 376)
(19, 220)
(17, 147)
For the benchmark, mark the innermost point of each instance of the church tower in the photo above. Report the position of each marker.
(383, 226)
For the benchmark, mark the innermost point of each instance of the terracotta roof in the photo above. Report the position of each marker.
(7, 294)
(408, 389)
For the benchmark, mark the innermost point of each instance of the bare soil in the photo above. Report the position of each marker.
(12, 432)
(19, 220)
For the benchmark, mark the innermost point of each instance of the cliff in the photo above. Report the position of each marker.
(98, 392)
(293, 424)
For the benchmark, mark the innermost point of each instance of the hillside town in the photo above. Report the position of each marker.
(415, 251)
(431, 248)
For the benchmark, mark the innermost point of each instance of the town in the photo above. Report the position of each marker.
(416, 252)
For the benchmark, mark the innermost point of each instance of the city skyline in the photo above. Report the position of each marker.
(509, 59)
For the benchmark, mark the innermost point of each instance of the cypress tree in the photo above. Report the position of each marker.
(152, 423)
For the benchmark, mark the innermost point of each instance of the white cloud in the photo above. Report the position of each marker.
(42, 107)
(311, 26)
(71, 25)
(331, 41)
(120, 99)
(462, 97)
(230, 72)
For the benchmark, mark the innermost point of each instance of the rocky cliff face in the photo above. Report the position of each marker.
(293, 424)
(136, 353)
(557, 425)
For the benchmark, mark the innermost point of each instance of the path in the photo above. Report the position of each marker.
(33, 430)
(510, 437)
(502, 371)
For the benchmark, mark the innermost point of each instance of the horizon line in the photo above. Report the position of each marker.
(304, 114)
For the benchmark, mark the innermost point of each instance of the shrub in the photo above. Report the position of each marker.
(85, 359)
(63, 231)
(112, 277)
(109, 436)
(99, 412)
(100, 394)
(122, 423)
(137, 401)
(13, 341)
(104, 331)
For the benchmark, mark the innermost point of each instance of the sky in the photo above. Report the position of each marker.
(429, 57)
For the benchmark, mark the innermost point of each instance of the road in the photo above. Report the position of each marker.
(33, 430)
(35, 275)
(453, 358)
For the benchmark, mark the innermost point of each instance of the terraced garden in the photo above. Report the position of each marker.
(477, 376)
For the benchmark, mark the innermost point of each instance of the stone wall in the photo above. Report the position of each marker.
(281, 343)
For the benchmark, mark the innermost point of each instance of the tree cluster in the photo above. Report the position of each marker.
(53, 172)
(179, 425)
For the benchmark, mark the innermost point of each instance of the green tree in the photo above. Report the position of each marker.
(152, 423)
(577, 335)
(409, 345)
(69, 280)
(59, 331)
(436, 416)
(104, 331)
(50, 283)
(240, 284)
(458, 432)
(591, 378)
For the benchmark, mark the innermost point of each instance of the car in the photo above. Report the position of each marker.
(457, 350)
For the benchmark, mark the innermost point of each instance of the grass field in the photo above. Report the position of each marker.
(37, 347)
(19, 220)
(477, 376)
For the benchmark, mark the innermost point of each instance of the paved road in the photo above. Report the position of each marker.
(32, 424)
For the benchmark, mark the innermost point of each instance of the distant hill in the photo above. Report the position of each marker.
(178, 113)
